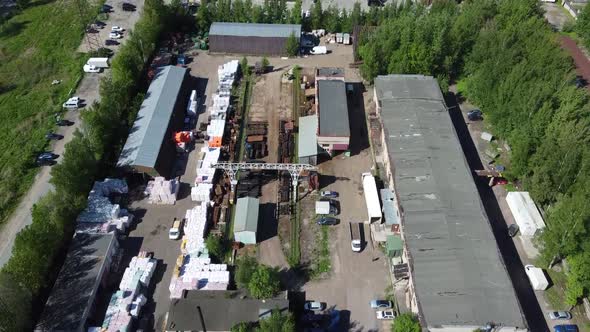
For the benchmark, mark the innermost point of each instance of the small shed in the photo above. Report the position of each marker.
(394, 246)
(390, 210)
(307, 147)
(246, 220)
(525, 212)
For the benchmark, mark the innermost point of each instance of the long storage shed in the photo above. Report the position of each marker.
(251, 38)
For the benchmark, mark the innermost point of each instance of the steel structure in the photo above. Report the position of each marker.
(231, 169)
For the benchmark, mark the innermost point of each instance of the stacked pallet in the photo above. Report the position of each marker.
(205, 173)
(100, 215)
(191, 108)
(162, 191)
(201, 192)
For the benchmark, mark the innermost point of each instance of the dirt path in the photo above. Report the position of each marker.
(580, 60)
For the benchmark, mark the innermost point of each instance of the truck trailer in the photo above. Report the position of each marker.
(536, 277)
(371, 198)
(356, 242)
(98, 62)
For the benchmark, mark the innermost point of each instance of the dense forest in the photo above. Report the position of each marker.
(509, 63)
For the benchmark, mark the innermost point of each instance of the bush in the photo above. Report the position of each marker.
(406, 323)
(216, 247)
(292, 45)
(264, 282)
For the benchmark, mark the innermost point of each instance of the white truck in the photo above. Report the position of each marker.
(355, 236)
(98, 62)
(536, 277)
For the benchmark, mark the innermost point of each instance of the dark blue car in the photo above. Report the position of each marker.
(566, 328)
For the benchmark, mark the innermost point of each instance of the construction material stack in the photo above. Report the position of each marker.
(126, 303)
(101, 215)
(162, 191)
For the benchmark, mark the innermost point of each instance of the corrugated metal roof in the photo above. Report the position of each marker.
(390, 211)
(307, 139)
(254, 29)
(246, 215)
(333, 108)
(147, 134)
(74, 291)
(459, 277)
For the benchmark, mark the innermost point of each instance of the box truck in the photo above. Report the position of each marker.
(98, 62)
(355, 236)
(536, 277)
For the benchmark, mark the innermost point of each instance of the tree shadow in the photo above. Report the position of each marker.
(11, 29)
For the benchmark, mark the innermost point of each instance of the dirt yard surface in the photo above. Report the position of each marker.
(556, 15)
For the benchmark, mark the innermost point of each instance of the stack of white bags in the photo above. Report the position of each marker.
(100, 215)
(205, 173)
(162, 191)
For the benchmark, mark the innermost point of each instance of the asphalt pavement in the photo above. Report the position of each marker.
(88, 91)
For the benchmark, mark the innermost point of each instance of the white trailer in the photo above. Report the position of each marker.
(525, 212)
(98, 62)
(346, 39)
(339, 37)
(371, 198)
(536, 277)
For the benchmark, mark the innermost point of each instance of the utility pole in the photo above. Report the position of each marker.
(91, 37)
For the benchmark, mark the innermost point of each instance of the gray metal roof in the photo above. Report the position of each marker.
(246, 219)
(219, 310)
(73, 294)
(330, 72)
(147, 134)
(333, 108)
(458, 273)
(307, 138)
(389, 207)
(254, 29)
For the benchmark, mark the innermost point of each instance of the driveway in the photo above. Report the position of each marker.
(556, 15)
(88, 91)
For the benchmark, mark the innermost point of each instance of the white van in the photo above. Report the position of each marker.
(175, 230)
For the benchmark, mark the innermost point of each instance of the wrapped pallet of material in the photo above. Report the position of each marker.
(164, 191)
(202, 192)
(191, 108)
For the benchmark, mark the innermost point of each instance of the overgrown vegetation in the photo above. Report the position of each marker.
(261, 281)
(277, 322)
(292, 45)
(321, 263)
(37, 253)
(406, 322)
(512, 67)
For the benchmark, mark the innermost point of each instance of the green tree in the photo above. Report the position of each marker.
(242, 327)
(277, 322)
(265, 63)
(406, 323)
(15, 305)
(245, 67)
(245, 267)
(292, 45)
(203, 16)
(215, 246)
(295, 17)
(356, 16)
(264, 282)
(317, 14)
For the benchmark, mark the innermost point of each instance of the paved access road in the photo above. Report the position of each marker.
(88, 91)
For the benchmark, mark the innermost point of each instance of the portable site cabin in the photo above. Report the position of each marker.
(525, 212)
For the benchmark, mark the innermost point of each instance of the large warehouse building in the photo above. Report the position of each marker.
(251, 38)
(149, 148)
(332, 110)
(457, 280)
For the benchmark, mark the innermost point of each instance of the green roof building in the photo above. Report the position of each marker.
(246, 220)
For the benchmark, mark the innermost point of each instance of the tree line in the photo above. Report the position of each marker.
(508, 62)
(37, 255)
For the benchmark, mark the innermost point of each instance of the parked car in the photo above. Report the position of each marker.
(580, 82)
(327, 221)
(53, 136)
(314, 306)
(474, 115)
(385, 314)
(176, 229)
(560, 315)
(47, 156)
(129, 7)
(512, 230)
(115, 35)
(45, 162)
(91, 69)
(116, 28)
(381, 304)
(106, 8)
(110, 42)
(63, 123)
(328, 193)
(566, 328)
(73, 102)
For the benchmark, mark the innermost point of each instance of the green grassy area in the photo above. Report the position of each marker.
(321, 262)
(244, 101)
(37, 46)
(294, 256)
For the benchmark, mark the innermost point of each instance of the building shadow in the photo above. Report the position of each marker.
(267, 222)
(359, 134)
(528, 302)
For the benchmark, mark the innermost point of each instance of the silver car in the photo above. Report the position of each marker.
(555, 315)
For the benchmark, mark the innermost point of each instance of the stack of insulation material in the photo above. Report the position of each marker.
(117, 317)
(191, 108)
(205, 173)
(201, 192)
(215, 131)
(162, 191)
(139, 272)
(198, 274)
(109, 186)
(227, 74)
(194, 229)
(100, 215)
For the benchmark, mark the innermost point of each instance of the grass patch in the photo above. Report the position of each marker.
(37, 46)
(294, 256)
(244, 101)
(321, 262)
(555, 294)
